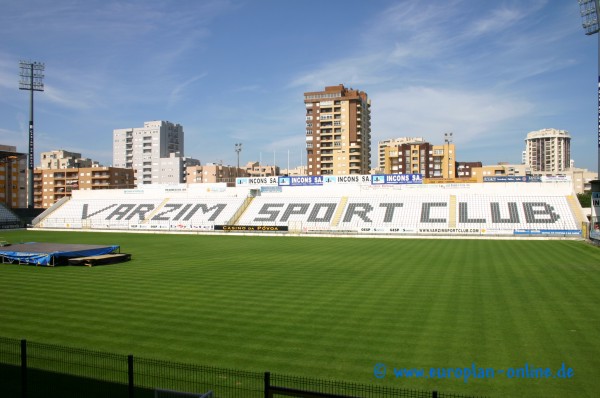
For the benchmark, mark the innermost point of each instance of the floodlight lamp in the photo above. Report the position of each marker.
(31, 76)
(447, 138)
(589, 15)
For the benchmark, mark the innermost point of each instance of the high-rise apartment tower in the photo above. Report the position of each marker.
(338, 131)
(548, 150)
(142, 148)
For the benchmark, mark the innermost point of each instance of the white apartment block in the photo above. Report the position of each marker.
(141, 148)
(548, 150)
(173, 170)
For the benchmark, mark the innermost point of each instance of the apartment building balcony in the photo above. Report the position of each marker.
(59, 189)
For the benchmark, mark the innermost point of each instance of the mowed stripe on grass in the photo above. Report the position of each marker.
(324, 307)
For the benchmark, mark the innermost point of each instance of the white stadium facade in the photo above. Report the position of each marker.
(385, 205)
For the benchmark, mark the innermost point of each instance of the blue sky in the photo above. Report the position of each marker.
(235, 71)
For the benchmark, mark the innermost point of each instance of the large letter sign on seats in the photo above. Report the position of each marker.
(218, 208)
(535, 212)
(360, 209)
(426, 211)
(463, 215)
(171, 208)
(389, 210)
(513, 213)
(141, 211)
(294, 208)
(272, 213)
(84, 211)
(120, 211)
(314, 214)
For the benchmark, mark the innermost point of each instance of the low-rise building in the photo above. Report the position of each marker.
(499, 170)
(61, 159)
(393, 142)
(431, 161)
(296, 171)
(256, 169)
(214, 173)
(13, 177)
(51, 185)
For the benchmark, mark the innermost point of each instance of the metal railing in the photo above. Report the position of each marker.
(31, 370)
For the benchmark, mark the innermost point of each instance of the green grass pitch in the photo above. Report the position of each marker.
(325, 307)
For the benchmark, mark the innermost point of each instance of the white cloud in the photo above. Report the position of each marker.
(499, 19)
(65, 99)
(177, 91)
(431, 112)
(14, 138)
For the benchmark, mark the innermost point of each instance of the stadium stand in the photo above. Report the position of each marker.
(143, 213)
(422, 209)
(8, 219)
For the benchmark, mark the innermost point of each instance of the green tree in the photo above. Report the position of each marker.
(585, 199)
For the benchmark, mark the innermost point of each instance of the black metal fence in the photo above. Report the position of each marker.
(32, 370)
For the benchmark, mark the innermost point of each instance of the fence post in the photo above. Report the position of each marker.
(434, 394)
(267, 384)
(130, 375)
(23, 368)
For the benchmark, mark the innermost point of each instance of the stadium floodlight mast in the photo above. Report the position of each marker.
(238, 149)
(447, 142)
(590, 10)
(590, 21)
(32, 75)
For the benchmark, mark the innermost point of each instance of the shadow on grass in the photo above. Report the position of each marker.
(44, 384)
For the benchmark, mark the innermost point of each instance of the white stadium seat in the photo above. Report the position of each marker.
(429, 209)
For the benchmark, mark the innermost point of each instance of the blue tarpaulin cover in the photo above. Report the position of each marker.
(50, 253)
